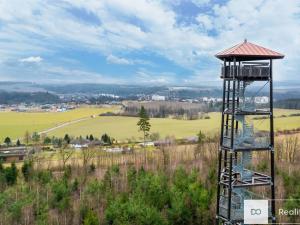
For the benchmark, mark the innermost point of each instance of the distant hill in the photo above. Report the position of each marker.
(282, 90)
(26, 97)
(21, 87)
(288, 104)
(116, 89)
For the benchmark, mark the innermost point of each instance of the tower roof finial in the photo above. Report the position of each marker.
(245, 40)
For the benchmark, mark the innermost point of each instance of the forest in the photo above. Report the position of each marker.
(164, 109)
(288, 103)
(26, 97)
(175, 184)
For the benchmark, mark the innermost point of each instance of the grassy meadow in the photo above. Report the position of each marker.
(15, 124)
(121, 127)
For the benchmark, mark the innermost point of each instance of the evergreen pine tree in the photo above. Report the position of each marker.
(7, 141)
(143, 123)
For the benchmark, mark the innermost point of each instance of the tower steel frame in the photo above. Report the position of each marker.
(234, 179)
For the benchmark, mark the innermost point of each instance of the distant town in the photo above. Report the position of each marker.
(71, 102)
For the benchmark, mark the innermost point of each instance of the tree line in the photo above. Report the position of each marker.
(180, 110)
(288, 103)
(35, 139)
(24, 97)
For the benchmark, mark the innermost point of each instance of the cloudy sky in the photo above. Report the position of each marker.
(140, 41)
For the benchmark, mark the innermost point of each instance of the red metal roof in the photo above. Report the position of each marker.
(247, 50)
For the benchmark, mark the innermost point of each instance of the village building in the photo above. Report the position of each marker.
(13, 154)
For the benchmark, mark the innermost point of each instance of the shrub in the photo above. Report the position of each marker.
(47, 141)
(92, 168)
(154, 136)
(106, 139)
(11, 174)
(94, 187)
(132, 211)
(153, 189)
(15, 210)
(44, 176)
(67, 171)
(190, 200)
(91, 218)
(27, 170)
(75, 185)
(61, 195)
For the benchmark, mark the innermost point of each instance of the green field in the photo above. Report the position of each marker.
(125, 127)
(15, 124)
(122, 128)
(282, 123)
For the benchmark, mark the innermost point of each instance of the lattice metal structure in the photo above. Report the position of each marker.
(244, 64)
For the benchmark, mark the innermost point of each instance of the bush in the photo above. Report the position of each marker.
(132, 211)
(44, 176)
(11, 174)
(47, 141)
(262, 166)
(92, 168)
(67, 171)
(15, 210)
(190, 200)
(75, 185)
(27, 170)
(154, 136)
(153, 189)
(91, 218)
(179, 213)
(106, 140)
(61, 195)
(94, 188)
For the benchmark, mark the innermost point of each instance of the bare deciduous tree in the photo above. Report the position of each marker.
(291, 146)
(65, 155)
(87, 155)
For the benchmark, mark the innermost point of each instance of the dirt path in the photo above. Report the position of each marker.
(63, 125)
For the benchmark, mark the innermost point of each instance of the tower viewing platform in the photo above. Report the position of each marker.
(253, 62)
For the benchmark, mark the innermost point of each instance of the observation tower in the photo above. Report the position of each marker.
(245, 67)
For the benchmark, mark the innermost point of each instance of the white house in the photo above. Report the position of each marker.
(149, 143)
(261, 100)
(158, 98)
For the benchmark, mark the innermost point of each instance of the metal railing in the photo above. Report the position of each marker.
(247, 70)
(242, 142)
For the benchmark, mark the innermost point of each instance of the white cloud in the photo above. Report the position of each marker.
(118, 60)
(200, 2)
(32, 59)
(274, 24)
(47, 27)
(123, 61)
(114, 34)
(144, 76)
(205, 21)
